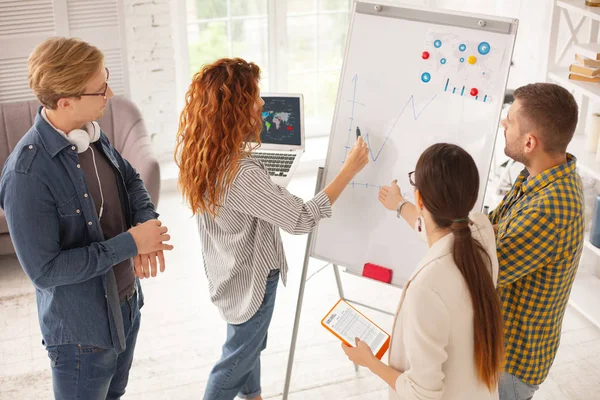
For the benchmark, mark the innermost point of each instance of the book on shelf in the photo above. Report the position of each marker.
(587, 62)
(582, 78)
(586, 71)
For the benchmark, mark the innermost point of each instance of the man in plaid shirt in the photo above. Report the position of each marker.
(539, 227)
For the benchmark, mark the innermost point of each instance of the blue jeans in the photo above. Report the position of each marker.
(238, 370)
(512, 388)
(91, 373)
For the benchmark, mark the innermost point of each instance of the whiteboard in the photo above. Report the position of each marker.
(408, 82)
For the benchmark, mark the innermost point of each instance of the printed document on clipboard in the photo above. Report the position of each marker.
(347, 323)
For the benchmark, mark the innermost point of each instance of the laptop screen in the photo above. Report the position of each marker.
(281, 121)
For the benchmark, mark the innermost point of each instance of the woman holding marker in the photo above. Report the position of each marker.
(447, 342)
(240, 211)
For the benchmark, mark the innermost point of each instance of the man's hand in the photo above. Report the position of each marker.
(150, 236)
(145, 265)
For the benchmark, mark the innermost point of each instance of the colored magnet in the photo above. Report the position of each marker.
(425, 55)
(483, 48)
(443, 61)
(474, 92)
(437, 44)
(426, 77)
(462, 59)
(472, 60)
(462, 47)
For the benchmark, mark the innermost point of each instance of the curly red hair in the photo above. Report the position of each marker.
(222, 114)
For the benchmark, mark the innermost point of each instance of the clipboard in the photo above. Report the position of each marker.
(347, 323)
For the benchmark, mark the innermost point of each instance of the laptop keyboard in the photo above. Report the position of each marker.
(278, 164)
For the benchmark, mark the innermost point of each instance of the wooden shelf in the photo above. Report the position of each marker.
(586, 161)
(579, 6)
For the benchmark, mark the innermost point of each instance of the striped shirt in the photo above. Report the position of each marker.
(539, 242)
(243, 243)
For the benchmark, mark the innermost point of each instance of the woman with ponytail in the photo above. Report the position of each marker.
(447, 342)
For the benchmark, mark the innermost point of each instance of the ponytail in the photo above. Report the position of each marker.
(473, 263)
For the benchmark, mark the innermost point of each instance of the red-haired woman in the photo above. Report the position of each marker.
(240, 211)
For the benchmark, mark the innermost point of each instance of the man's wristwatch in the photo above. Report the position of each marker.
(399, 208)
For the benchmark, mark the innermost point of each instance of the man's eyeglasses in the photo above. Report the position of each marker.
(410, 178)
(103, 93)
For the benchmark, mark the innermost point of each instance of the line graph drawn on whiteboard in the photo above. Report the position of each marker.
(366, 136)
(354, 184)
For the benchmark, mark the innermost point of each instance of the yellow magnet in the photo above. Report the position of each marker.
(472, 60)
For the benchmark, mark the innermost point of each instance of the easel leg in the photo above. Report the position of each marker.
(288, 374)
(338, 280)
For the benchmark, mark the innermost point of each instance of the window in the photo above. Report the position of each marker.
(299, 45)
(232, 28)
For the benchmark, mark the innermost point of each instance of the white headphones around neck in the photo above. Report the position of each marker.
(83, 137)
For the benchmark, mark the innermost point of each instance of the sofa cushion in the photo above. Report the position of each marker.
(3, 223)
(15, 120)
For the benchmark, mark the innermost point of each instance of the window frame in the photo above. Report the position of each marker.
(277, 50)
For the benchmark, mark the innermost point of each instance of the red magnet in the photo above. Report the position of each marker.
(474, 92)
(425, 55)
(290, 128)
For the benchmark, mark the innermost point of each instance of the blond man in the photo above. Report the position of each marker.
(78, 214)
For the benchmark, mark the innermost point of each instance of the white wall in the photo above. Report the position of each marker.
(152, 68)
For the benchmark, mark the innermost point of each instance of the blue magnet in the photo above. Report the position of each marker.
(483, 48)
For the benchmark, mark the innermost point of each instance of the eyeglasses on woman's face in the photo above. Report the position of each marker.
(411, 178)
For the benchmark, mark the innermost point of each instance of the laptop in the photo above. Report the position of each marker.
(282, 135)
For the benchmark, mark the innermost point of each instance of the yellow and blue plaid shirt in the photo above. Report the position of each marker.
(539, 243)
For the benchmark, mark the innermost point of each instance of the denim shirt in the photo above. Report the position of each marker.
(58, 239)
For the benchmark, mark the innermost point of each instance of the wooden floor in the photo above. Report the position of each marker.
(182, 332)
